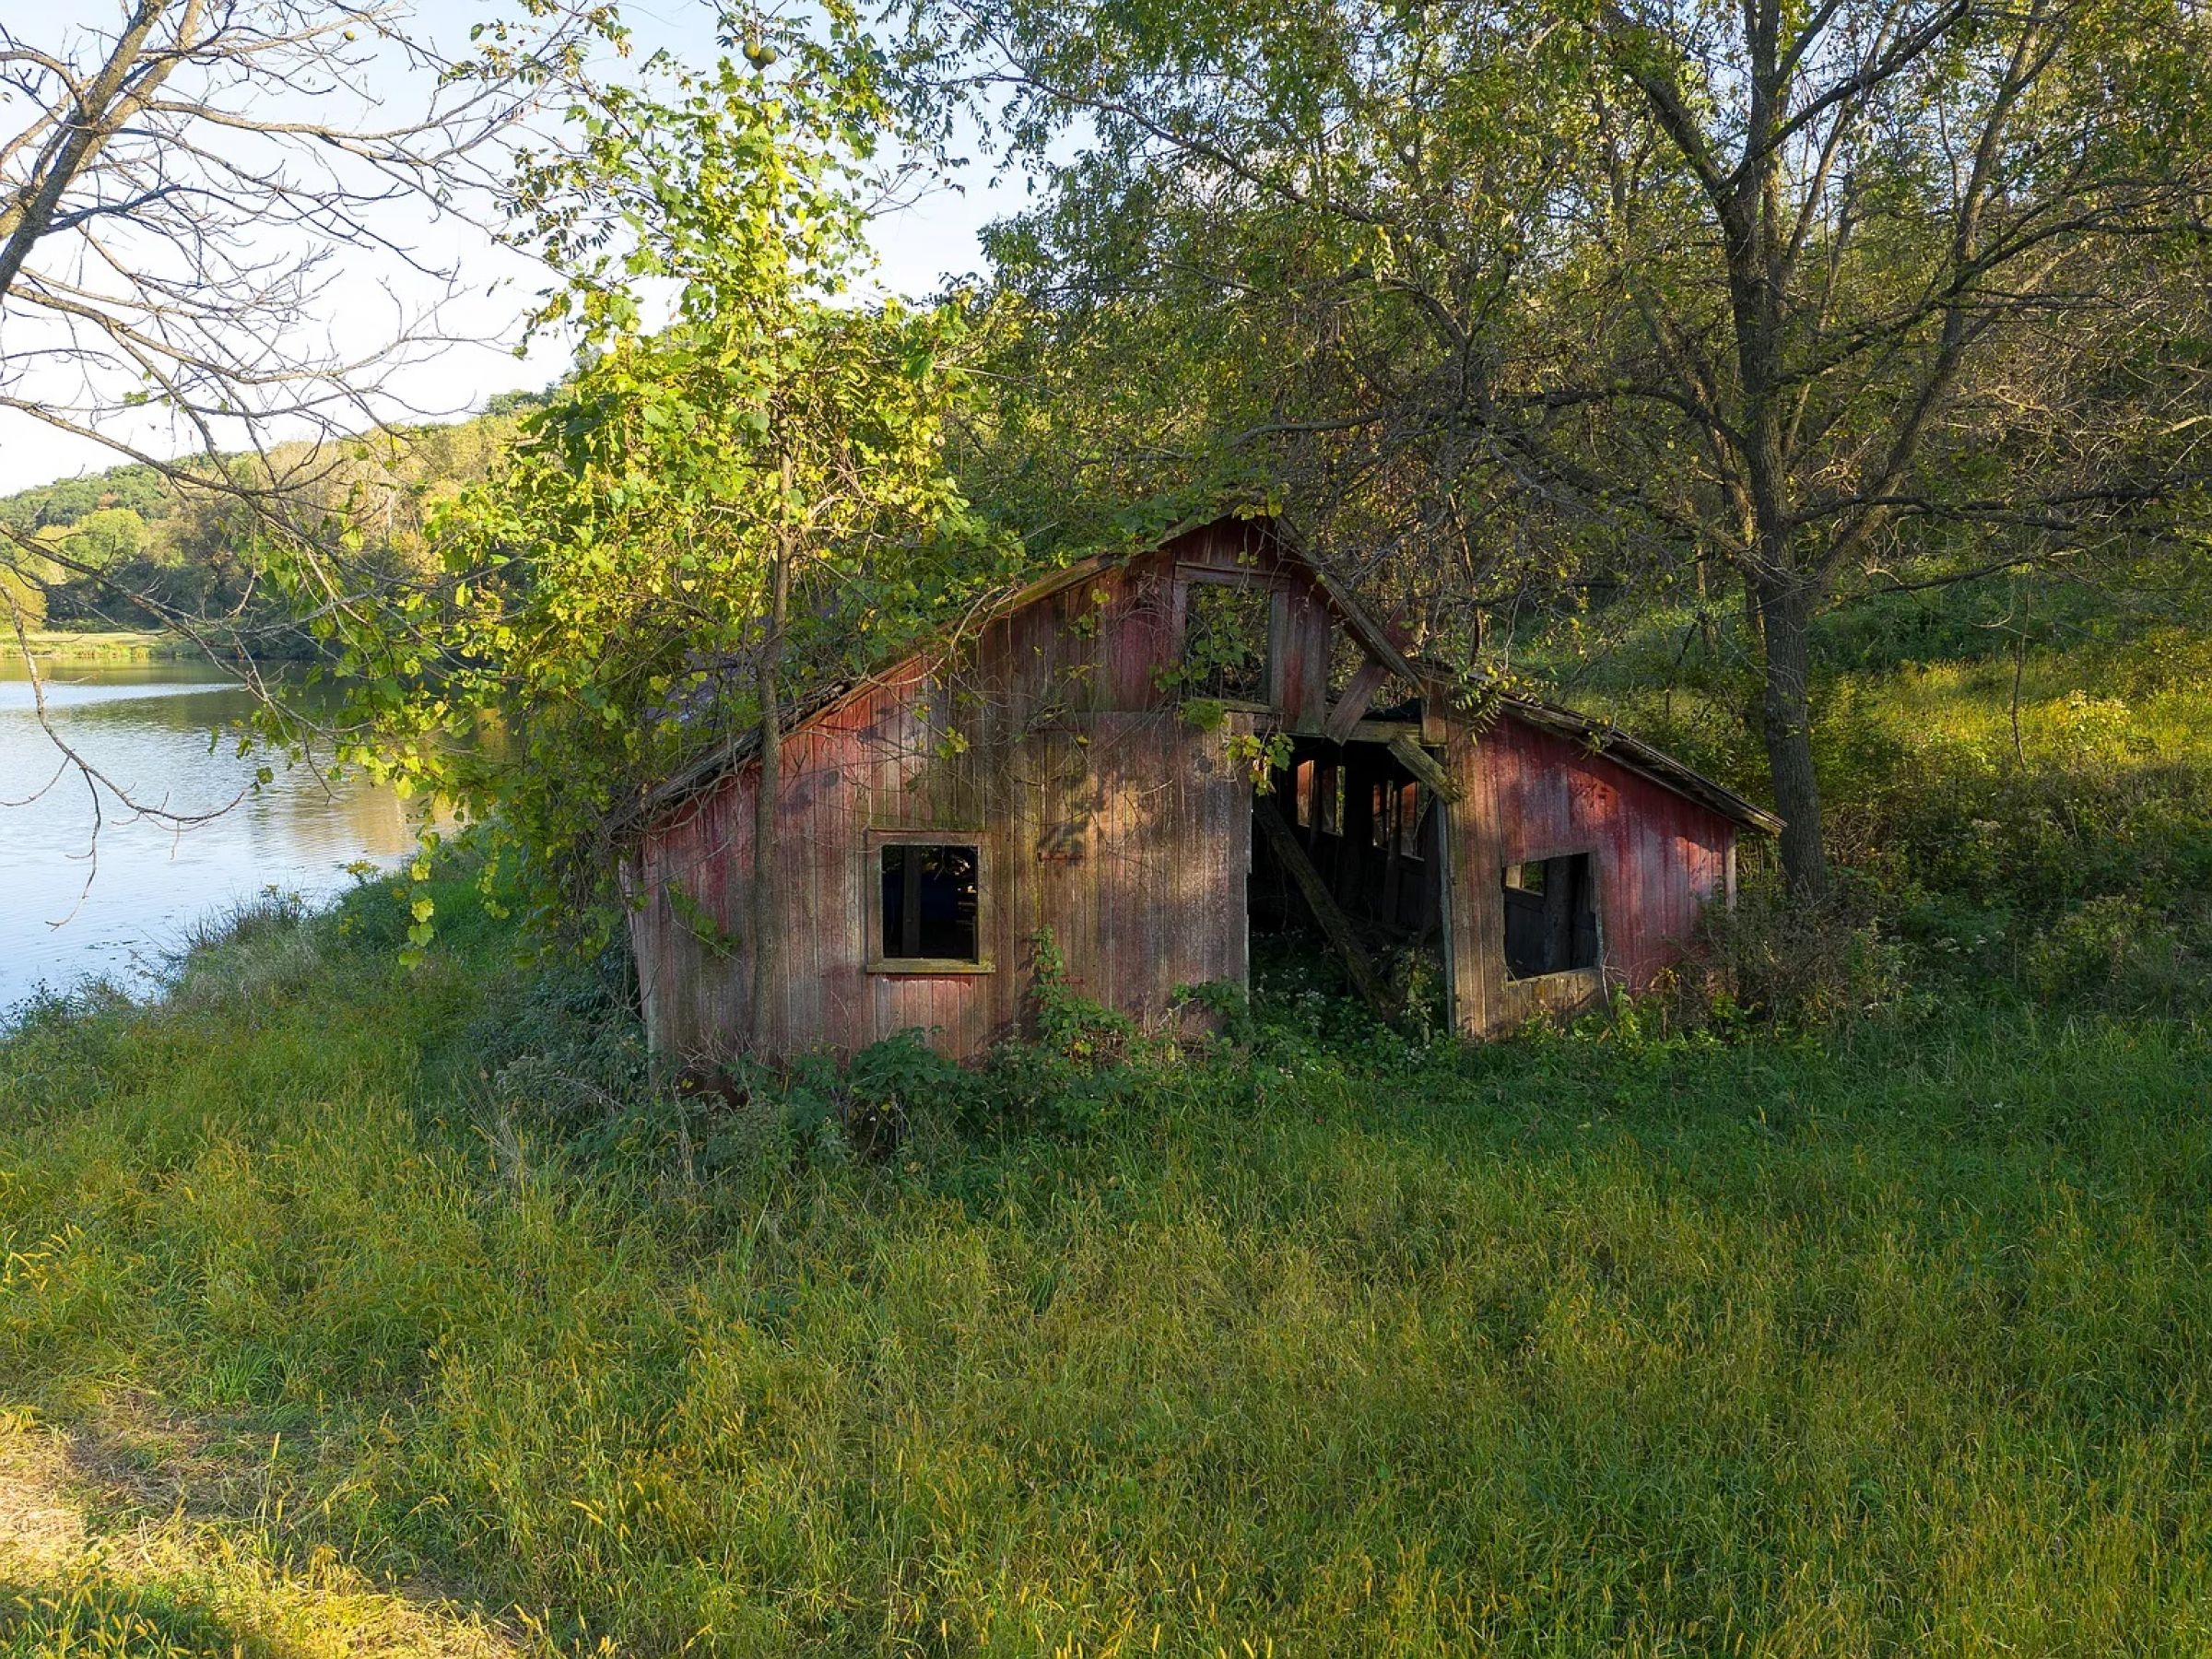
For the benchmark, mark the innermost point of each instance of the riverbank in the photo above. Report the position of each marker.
(116, 646)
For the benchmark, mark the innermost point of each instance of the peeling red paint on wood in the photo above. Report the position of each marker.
(1053, 743)
(1102, 816)
(1660, 858)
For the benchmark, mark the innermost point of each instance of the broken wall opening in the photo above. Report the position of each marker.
(1370, 836)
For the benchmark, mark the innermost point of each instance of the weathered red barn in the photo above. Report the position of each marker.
(1084, 761)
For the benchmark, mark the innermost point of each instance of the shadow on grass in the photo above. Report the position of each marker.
(83, 1610)
(141, 1538)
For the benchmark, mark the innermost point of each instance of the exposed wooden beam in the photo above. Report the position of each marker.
(1352, 707)
(1424, 766)
(1334, 926)
(1383, 731)
(1373, 638)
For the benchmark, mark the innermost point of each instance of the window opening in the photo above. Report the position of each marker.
(929, 902)
(1303, 793)
(1225, 640)
(1412, 808)
(1550, 916)
(1330, 807)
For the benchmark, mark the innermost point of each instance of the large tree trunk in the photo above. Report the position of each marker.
(767, 939)
(1785, 614)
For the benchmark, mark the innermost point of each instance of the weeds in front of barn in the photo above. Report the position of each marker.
(1861, 1320)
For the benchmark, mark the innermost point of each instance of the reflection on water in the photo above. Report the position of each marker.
(148, 726)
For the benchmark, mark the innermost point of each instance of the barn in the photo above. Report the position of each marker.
(1152, 757)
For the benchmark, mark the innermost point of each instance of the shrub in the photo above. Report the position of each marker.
(2092, 946)
(1791, 964)
(864, 1106)
(253, 951)
(2120, 952)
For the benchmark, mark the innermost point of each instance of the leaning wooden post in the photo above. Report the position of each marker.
(1334, 926)
(1424, 766)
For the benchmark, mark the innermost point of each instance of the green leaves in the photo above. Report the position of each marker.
(604, 594)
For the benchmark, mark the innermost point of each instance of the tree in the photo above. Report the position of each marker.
(1273, 266)
(176, 200)
(104, 538)
(1832, 230)
(707, 520)
(1669, 283)
(178, 192)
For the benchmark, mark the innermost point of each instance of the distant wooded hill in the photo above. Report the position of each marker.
(135, 548)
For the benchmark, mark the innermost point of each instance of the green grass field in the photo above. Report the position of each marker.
(346, 1309)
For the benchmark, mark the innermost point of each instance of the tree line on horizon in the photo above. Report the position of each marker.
(138, 545)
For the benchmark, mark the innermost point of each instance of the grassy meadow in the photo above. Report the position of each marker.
(1854, 1298)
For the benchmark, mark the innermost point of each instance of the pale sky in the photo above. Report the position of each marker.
(917, 246)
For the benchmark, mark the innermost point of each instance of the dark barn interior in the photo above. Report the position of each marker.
(1373, 835)
(1365, 830)
(1550, 916)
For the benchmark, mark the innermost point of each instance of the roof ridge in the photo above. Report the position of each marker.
(1608, 738)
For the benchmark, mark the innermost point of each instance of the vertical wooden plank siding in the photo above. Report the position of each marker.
(1100, 814)
(1474, 908)
(1658, 858)
(1299, 668)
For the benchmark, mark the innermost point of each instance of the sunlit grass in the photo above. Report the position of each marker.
(107, 645)
(107, 1557)
(1888, 1337)
(2067, 712)
(1891, 1341)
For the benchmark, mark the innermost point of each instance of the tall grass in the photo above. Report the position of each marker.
(1887, 1339)
(2044, 821)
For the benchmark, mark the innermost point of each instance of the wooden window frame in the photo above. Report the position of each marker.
(873, 846)
(1188, 576)
(1595, 970)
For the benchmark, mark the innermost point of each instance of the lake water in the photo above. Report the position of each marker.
(146, 725)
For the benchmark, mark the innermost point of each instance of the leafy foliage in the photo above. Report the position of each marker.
(131, 547)
(1519, 309)
(761, 478)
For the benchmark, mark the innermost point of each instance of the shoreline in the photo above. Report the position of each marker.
(113, 645)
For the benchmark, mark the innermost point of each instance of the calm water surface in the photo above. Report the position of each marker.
(147, 725)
